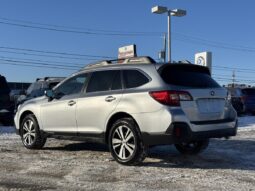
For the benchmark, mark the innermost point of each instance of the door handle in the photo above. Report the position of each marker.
(71, 103)
(110, 98)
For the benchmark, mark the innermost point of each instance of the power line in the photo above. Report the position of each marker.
(179, 36)
(73, 56)
(225, 75)
(36, 66)
(50, 56)
(40, 63)
(204, 42)
(53, 52)
(211, 41)
(75, 31)
(79, 28)
(234, 68)
(240, 80)
(239, 71)
(75, 68)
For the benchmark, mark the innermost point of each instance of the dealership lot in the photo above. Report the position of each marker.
(69, 165)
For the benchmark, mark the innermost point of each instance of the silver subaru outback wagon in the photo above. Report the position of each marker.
(130, 107)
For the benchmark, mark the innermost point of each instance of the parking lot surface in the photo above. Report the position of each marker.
(68, 165)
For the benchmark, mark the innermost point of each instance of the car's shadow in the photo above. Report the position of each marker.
(231, 154)
(221, 154)
(80, 146)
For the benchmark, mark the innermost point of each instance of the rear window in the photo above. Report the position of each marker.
(248, 91)
(187, 76)
(36, 86)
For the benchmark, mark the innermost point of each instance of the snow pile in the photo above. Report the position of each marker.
(246, 123)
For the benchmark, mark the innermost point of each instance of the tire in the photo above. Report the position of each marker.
(30, 133)
(193, 147)
(125, 143)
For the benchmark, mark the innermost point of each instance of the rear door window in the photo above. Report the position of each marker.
(134, 78)
(104, 81)
(187, 76)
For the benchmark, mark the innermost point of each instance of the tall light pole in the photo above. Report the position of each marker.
(174, 12)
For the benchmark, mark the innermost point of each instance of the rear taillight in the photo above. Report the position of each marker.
(171, 97)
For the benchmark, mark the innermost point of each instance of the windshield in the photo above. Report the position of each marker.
(35, 89)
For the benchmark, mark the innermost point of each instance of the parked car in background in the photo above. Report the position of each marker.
(37, 88)
(234, 95)
(15, 94)
(6, 105)
(130, 107)
(242, 99)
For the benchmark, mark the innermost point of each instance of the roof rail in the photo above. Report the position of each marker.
(47, 78)
(133, 60)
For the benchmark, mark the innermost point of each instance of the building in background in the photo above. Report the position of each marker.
(18, 85)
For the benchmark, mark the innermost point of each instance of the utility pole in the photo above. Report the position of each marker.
(169, 35)
(164, 47)
(233, 78)
(162, 53)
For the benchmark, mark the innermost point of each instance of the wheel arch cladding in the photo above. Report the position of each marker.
(113, 119)
(23, 115)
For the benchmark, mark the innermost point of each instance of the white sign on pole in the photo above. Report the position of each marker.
(204, 59)
(127, 51)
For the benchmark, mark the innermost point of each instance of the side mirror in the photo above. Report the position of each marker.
(49, 94)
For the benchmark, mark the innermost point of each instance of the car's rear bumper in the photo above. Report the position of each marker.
(181, 132)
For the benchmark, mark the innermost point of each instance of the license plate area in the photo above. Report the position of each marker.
(209, 105)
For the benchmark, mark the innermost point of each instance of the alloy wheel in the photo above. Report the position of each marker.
(29, 133)
(123, 142)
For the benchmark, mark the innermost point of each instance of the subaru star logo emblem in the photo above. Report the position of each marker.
(212, 93)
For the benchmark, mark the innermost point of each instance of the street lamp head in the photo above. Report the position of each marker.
(159, 10)
(174, 12)
(178, 12)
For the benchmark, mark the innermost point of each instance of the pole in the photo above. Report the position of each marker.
(233, 78)
(164, 48)
(169, 36)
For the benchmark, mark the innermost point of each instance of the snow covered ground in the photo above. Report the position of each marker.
(68, 165)
(246, 123)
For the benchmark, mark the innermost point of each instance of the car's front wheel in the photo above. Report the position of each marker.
(30, 133)
(193, 147)
(125, 142)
